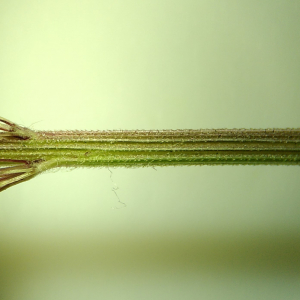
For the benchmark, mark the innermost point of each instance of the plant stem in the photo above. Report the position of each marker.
(22, 149)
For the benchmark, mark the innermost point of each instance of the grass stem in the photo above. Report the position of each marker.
(25, 153)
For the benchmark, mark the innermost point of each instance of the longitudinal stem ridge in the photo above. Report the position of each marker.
(25, 153)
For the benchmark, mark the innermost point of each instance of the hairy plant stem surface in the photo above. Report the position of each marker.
(25, 153)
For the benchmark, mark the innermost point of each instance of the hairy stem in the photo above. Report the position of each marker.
(22, 149)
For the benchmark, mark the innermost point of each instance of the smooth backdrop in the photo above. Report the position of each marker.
(221, 232)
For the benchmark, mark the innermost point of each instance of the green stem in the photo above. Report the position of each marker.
(41, 150)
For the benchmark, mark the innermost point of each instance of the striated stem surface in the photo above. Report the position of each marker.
(25, 153)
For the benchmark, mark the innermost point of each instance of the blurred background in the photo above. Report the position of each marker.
(209, 232)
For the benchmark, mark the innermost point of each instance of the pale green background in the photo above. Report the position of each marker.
(187, 232)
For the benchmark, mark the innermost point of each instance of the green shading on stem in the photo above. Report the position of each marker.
(25, 153)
